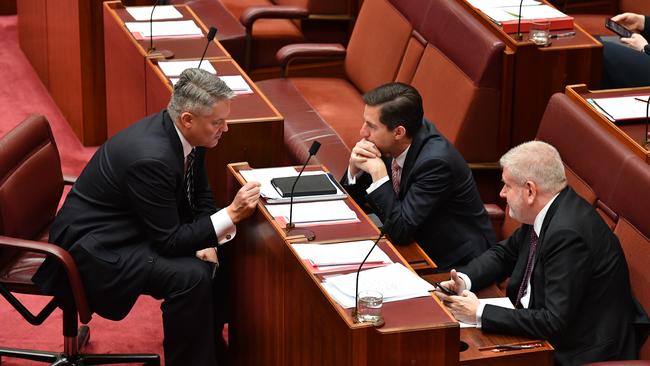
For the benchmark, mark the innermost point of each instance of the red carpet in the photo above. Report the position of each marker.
(22, 94)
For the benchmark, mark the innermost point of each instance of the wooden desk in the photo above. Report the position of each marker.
(476, 339)
(136, 87)
(632, 134)
(281, 315)
(532, 74)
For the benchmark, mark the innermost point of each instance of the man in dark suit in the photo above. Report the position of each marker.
(141, 219)
(626, 61)
(430, 191)
(568, 275)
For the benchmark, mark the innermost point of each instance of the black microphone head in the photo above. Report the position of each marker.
(212, 33)
(314, 148)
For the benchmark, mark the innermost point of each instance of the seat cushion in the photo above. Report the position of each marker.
(17, 275)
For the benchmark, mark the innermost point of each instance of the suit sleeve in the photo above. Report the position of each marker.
(646, 29)
(358, 190)
(151, 187)
(566, 274)
(430, 187)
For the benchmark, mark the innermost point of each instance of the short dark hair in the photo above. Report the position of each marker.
(401, 104)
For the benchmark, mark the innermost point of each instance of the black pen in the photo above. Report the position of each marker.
(563, 35)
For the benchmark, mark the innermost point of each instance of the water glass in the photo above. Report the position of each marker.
(540, 33)
(369, 307)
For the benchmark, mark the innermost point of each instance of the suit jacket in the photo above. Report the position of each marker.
(438, 205)
(128, 207)
(580, 291)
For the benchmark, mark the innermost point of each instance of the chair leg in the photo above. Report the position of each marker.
(147, 359)
(28, 354)
(83, 337)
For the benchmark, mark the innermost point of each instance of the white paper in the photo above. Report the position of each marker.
(620, 108)
(267, 190)
(503, 302)
(237, 84)
(393, 281)
(161, 12)
(175, 68)
(308, 212)
(341, 253)
(505, 14)
(165, 29)
(500, 3)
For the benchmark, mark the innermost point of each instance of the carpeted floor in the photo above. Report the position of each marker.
(22, 94)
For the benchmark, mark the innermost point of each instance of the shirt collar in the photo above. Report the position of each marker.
(187, 147)
(539, 219)
(402, 157)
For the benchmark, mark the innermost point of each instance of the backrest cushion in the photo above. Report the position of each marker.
(377, 44)
(31, 182)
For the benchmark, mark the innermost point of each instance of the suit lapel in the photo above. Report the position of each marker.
(177, 147)
(426, 132)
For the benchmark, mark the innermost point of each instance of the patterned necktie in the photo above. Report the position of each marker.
(189, 178)
(395, 175)
(529, 268)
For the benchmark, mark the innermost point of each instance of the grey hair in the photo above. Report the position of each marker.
(536, 161)
(196, 91)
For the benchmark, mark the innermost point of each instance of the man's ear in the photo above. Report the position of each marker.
(399, 132)
(531, 191)
(186, 119)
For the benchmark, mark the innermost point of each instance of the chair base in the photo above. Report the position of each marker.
(67, 359)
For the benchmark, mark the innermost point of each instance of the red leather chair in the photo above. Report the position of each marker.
(31, 185)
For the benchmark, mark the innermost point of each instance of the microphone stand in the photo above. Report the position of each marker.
(152, 53)
(211, 34)
(291, 228)
(646, 138)
(519, 35)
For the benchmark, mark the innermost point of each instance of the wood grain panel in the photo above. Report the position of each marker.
(32, 35)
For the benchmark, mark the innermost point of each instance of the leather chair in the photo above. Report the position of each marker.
(31, 185)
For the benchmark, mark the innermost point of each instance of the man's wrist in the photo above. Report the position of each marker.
(646, 49)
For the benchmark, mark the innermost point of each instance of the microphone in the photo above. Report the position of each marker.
(291, 227)
(152, 53)
(211, 34)
(519, 35)
(382, 233)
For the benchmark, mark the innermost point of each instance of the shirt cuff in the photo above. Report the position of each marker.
(376, 184)
(352, 179)
(479, 314)
(468, 282)
(223, 226)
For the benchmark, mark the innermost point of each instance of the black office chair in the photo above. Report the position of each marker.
(31, 184)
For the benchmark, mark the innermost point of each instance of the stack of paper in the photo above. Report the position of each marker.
(272, 196)
(621, 108)
(237, 84)
(176, 28)
(314, 213)
(162, 12)
(393, 281)
(341, 256)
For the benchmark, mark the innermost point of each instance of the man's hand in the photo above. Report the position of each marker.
(208, 255)
(631, 21)
(361, 152)
(245, 202)
(462, 307)
(636, 41)
(455, 284)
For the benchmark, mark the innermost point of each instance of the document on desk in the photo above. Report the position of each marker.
(503, 302)
(141, 13)
(394, 281)
(314, 213)
(172, 28)
(510, 13)
(337, 254)
(272, 196)
(618, 109)
(480, 4)
(237, 84)
(175, 68)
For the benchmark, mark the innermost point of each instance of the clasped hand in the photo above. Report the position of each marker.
(366, 157)
(462, 306)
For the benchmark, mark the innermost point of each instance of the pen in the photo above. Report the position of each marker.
(563, 35)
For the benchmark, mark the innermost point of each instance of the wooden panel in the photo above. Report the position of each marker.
(8, 7)
(32, 35)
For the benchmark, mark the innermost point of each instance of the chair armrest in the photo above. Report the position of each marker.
(253, 13)
(64, 258)
(301, 51)
(416, 258)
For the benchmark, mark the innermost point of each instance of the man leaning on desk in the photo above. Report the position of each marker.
(141, 220)
(568, 275)
(403, 164)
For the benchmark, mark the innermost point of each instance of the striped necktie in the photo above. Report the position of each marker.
(395, 175)
(529, 268)
(189, 177)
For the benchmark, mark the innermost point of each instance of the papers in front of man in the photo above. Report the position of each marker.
(237, 84)
(511, 13)
(619, 109)
(162, 12)
(323, 258)
(503, 302)
(313, 213)
(173, 28)
(393, 281)
(481, 4)
(272, 196)
(175, 68)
